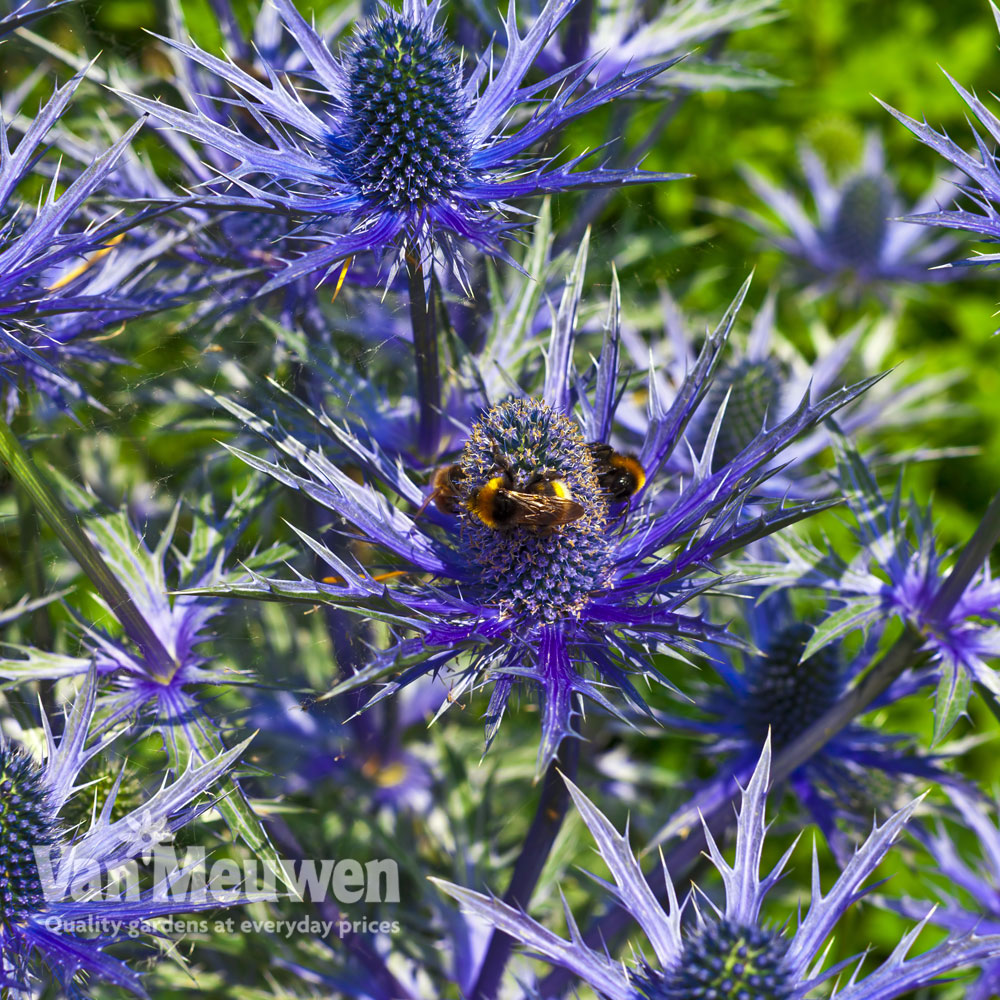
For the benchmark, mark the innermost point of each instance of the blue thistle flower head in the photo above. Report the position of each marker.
(780, 691)
(401, 148)
(44, 911)
(224, 258)
(853, 237)
(544, 574)
(728, 951)
(899, 572)
(540, 555)
(405, 130)
(722, 958)
(25, 822)
(786, 694)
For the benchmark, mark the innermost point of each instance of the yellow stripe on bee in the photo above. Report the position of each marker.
(632, 466)
(481, 502)
(561, 490)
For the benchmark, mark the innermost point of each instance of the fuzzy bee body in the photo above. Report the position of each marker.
(445, 485)
(545, 503)
(619, 476)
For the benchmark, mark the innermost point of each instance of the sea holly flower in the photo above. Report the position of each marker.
(136, 678)
(977, 879)
(853, 236)
(763, 378)
(730, 950)
(774, 690)
(898, 572)
(234, 251)
(44, 907)
(982, 185)
(544, 556)
(62, 275)
(400, 147)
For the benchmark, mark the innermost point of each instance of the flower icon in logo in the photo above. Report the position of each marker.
(148, 833)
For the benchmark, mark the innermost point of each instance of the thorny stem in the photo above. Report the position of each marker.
(545, 827)
(855, 701)
(69, 530)
(577, 36)
(423, 320)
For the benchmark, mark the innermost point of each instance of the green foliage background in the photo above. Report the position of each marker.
(831, 56)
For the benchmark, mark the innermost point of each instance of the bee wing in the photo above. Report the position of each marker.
(542, 511)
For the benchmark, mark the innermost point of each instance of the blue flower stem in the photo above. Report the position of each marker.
(902, 655)
(576, 41)
(541, 836)
(423, 321)
(69, 530)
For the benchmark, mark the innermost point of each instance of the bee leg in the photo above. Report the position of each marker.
(428, 500)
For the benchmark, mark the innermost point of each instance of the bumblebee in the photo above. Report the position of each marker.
(444, 490)
(545, 503)
(446, 483)
(619, 476)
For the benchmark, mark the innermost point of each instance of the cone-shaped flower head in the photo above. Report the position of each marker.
(729, 952)
(749, 389)
(26, 822)
(853, 235)
(723, 960)
(406, 141)
(393, 144)
(538, 556)
(781, 691)
(547, 574)
(786, 694)
(47, 869)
